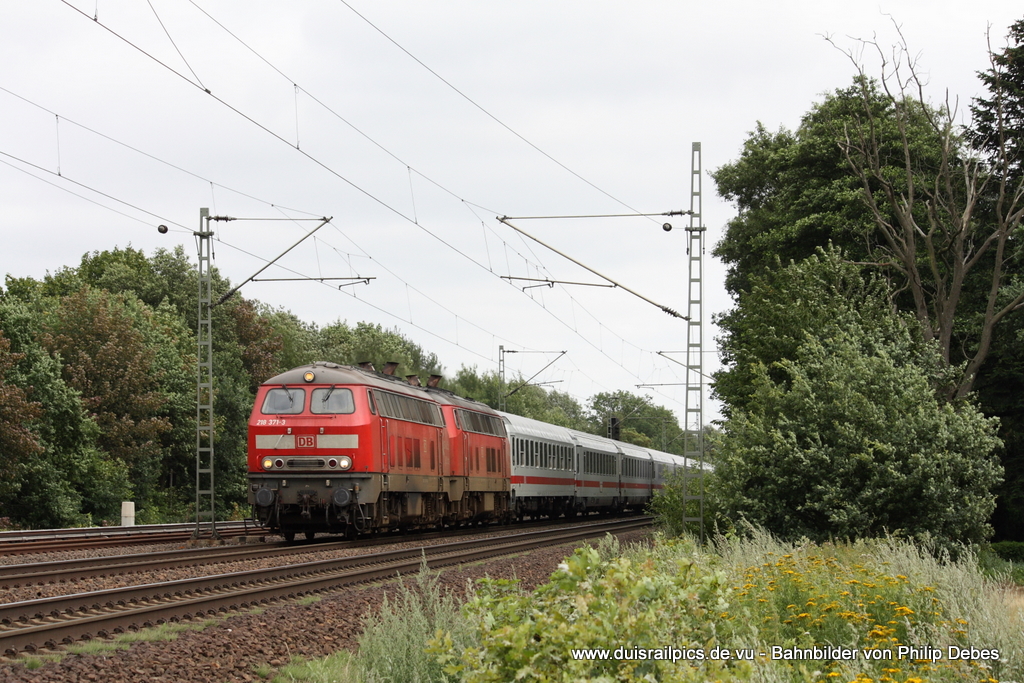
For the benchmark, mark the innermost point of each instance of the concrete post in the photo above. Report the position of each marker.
(128, 513)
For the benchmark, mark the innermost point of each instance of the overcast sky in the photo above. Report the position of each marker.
(414, 124)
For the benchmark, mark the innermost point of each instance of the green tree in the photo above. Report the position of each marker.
(523, 399)
(794, 189)
(296, 341)
(249, 347)
(101, 340)
(69, 481)
(855, 444)
(17, 442)
(999, 395)
(998, 120)
(820, 295)
(943, 218)
(641, 422)
(935, 209)
(997, 130)
(839, 431)
(371, 343)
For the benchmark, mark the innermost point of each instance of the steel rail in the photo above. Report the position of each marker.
(48, 622)
(62, 571)
(48, 540)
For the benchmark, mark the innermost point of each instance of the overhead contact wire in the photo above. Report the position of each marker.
(485, 111)
(325, 166)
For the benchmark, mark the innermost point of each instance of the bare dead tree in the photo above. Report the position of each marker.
(944, 211)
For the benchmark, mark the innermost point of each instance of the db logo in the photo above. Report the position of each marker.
(305, 441)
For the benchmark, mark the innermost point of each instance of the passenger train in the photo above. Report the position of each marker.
(346, 449)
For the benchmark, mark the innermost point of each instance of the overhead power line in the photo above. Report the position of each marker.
(346, 180)
(485, 111)
(666, 309)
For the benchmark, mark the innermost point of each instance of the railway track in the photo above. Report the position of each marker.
(66, 571)
(49, 622)
(62, 571)
(50, 540)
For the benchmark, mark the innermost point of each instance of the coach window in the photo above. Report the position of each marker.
(284, 401)
(332, 401)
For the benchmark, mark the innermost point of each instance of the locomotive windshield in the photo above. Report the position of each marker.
(284, 401)
(332, 401)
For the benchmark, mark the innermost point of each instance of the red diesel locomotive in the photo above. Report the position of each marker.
(345, 449)
(340, 448)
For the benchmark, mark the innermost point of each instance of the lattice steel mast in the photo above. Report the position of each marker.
(204, 384)
(205, 497)
(693, 449)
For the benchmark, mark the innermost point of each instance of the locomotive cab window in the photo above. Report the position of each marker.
(332, 401)
(284, 401)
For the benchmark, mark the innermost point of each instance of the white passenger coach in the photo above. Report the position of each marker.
(557, 471)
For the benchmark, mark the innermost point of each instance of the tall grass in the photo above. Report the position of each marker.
(777, 601)
(392, 647)
(754, 593)
(878, 594)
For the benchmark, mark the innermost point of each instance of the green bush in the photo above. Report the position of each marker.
(589, 604)
(670, 506)
(756, 597)
(1011, 551)
(393, 644)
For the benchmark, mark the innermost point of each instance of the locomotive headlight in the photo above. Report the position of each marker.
(308, 376)
(267, 463)
(344, 462)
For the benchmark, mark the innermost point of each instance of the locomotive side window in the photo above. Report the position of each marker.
(284, 401)
(332, 401)
(408, 408)
(470, 421)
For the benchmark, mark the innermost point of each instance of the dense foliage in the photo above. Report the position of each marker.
(670, 611)
(835, 427)
(926, 215)
(98, 389)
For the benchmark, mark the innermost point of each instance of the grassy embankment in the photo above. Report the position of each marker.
(783, 612)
